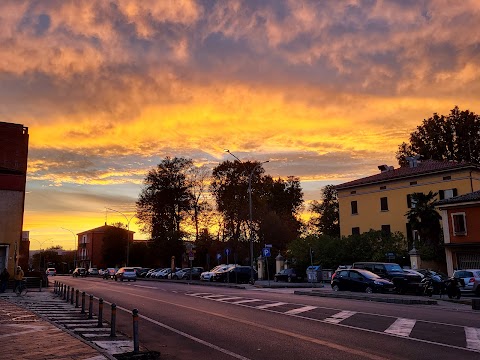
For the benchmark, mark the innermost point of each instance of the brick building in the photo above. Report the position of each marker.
(13, 175)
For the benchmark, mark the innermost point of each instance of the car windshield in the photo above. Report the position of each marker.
(393, 267)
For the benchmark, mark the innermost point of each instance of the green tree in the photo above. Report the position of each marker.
(453, 137)
(164, 203)
(426, 220)
(326, 220)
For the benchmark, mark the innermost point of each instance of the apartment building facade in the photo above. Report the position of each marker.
(13, 174)
(380, 201)
(461, 231)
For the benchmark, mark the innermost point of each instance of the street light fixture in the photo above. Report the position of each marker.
(41, 244)
(128, 230)
(75, 247)
(252, 279)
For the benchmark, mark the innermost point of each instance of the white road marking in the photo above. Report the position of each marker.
(246, 301)
(199, 294)
(338, 317)
(213, 296)
(300, 310)
(266, 306)
(473, 338)
(401, 327)
(230, 298)
(145, 287)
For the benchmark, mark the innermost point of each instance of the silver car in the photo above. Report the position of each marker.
(126, 273)
(471, 279)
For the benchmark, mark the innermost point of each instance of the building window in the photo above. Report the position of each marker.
(411, 203)
(354, 206)
(356, 231)
(413, 183)
(459, 224)
(383, 187)
(353, 192)
(384, 204)
(447, 194)
(447, 178)
(386, 230)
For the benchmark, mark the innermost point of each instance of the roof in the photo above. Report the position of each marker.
(423, 168)
(103, 229)
(470, 197)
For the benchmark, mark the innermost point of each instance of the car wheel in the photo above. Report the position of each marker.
(211, 279)
(175, 277)
(368, 290)
(121, 280)
(116, 279)
(336, 288)
(128, 280)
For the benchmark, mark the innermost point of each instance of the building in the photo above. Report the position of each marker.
(13, 175)
(461, 231)
(89, 246)
(380, 201)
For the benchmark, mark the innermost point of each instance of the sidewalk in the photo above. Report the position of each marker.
(27, 336)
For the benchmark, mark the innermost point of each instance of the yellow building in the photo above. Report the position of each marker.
(380, 201)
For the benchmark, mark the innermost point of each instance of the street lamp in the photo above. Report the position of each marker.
(128, 230)
(252, 280)
(75, 247)
(41, 244)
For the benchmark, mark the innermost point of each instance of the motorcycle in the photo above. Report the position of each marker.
(452, 287)
(432, 284)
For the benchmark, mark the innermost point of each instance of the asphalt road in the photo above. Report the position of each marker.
(202, 322)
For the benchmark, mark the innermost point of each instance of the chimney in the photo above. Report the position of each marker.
(413, 161)
(384, 168)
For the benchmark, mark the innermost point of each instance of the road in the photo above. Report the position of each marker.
(203, 322)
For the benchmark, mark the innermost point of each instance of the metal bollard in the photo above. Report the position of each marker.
(90, 308)
(40, 287)
(64, 291)
(71, 297)
(113, 321)
(100, 312)
(135, 331)
(83, 303)
(77, 293)
(68, 293)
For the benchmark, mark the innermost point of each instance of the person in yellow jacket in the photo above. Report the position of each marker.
(18, 276)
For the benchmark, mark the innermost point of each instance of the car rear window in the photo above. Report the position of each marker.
(393, 267)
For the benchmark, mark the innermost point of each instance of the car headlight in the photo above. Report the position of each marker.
(378, 283)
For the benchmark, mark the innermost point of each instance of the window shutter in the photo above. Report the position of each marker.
(455, 192)
(409, 201)
(441, 193)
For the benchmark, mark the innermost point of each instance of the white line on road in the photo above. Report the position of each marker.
(146, 287)
(230, 298)
(213, 296)
(473, 338)
(338, 317)
(199, 294)
(401, 327)
(266, 306)
(300, 310)
(246, 301)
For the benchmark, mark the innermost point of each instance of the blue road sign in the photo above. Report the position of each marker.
(227, 251)
(266, 252)
(219, 256)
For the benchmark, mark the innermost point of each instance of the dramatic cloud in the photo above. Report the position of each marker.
(326, 90)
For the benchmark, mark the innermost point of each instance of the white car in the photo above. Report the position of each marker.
(51, 272)
(208, 275)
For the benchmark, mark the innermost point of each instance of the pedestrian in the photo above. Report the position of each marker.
(4, 277)
(18, 277)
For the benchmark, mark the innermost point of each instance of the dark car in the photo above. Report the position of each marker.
(79, 271)
(237, 274)
(126, 273)
(360, 280)
(195, 273)
(109, 273)
(404, 282)
(289, 275)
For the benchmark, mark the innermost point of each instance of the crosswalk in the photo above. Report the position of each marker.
(459, 336)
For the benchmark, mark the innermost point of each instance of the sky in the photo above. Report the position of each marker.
(324, 90)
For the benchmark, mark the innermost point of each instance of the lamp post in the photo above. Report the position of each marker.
(128, 231)
(75, 247)
(252, 280)
(40, 258)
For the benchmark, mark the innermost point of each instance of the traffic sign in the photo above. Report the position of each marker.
(227, 251)
(268, 245)
(191, 255)
(219, 256)
(266, 252)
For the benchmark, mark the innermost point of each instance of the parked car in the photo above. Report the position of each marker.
(109, 273)
(471, 279)
(93, 271)
(360, 280)
(177, 274)
(289, 275)
(79, 271)
(236, 274)
(152, 271)
(142, 272)
(404, 282)
(51, 272)
(208, 275)
(126, 273)
(191, 273)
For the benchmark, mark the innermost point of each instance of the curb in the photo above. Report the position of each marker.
(369, 298)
